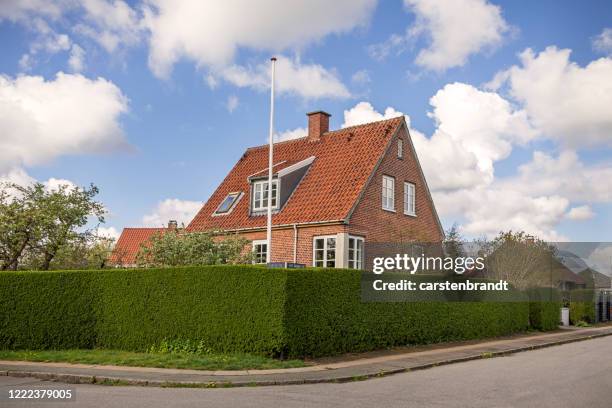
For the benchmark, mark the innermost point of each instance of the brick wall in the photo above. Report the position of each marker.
(378, 225)
(282, 241)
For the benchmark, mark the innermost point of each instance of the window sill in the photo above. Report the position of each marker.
(389, 210)
(410, 214)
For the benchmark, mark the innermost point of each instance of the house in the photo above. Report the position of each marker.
(333, 193)
(130, 241)
(595, 279)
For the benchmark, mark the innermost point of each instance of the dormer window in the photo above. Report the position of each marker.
(227, 205)
(260, 195)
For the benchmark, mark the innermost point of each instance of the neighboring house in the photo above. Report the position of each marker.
(333, 193)
(595, 279)
(130, 241)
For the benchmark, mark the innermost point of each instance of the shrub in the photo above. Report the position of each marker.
(582, 306)
(227, 308)
(544, 308)
(325, 315)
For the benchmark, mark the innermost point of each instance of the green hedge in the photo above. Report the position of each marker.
(582, 306)
(325, 316)
(544, 308)
(230, 308)
(312, 312)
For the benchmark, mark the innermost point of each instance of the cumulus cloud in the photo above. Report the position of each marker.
(70, 114)
(364, 112)
(108, 232)
(581, 213)
(310, 81)
(567, 102)
(210, 34)
(290, 134)
(603, 42)
(182, 211)
(112, 24)
(455, 30)
(54, 184)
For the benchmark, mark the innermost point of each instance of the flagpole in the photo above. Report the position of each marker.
(270, 165)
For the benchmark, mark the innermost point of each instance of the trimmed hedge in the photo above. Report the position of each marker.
(325, 316)
(229, 308)
(307, 312)
(544, 308)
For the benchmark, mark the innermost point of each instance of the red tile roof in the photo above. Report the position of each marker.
(344, 160)
(129, 242)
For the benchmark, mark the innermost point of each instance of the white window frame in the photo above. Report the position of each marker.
(400, 148)
(254, 244)
(325, 259)
(388, 189)
(409, 199)
(357, 261)
(258, 205)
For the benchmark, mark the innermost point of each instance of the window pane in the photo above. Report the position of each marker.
(319, 243)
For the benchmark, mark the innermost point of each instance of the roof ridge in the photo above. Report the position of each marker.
(330, 131)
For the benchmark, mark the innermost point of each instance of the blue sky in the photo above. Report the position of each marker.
(157, 102)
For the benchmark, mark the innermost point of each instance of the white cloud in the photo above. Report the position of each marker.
(76, 61)
(584, 212)
(210, 33)
(364, 112)
(568, 103)
(603, 42)
(108, 232)
(182, 211)
(54, 184)
(111, 23)
(232, 103)
(290, 134)
(18, 11)
(43, 119)
(309, 81)
(455, 31)
(601, 258)
(16, 175)
(567, 175)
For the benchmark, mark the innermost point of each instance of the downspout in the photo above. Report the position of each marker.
(295, 240)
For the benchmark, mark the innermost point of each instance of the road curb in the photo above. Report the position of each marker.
(324, 376)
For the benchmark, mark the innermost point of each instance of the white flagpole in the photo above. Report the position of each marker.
(270, 164)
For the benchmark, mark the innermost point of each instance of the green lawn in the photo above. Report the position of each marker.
(163, 360)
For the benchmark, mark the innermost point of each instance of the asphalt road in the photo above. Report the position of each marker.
(571, 375)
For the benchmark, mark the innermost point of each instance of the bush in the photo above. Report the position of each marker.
(230, 308)
(582, 306)
(325, 316)
(310, 312)
(544, 308)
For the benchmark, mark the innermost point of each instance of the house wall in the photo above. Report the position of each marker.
(377, 225)
(283, 240)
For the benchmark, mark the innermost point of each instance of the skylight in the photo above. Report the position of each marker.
(228, 203)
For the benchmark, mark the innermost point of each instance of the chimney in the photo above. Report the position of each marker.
(172, 225)
(318, 123)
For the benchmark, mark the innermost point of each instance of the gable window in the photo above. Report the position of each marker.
(324, 252)
(409, 199)
(260, 195)
(228, 203)
(388, 193)
(260, 251)
(355, 253)
(400, 149)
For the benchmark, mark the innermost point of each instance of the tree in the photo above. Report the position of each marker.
(179, 248)
(37, 223)
(453, 243)
(522, 260)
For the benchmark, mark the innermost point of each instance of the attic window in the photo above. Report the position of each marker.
(400, 149)
(260, 195)
(228, 203)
